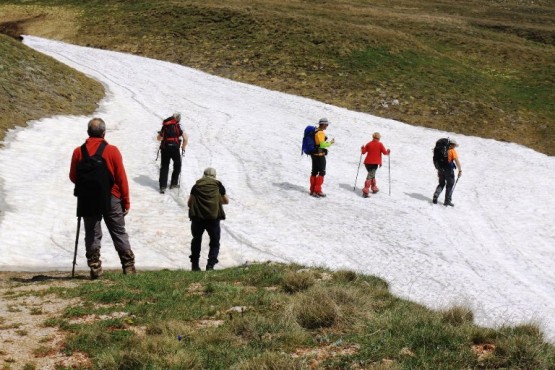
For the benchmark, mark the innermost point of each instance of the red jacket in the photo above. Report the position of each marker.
(114, 162)
(375, 149)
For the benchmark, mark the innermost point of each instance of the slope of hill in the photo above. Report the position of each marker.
(475, 67)
(34, 86)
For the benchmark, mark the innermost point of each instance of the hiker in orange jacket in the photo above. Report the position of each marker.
(373, 150)
(118, 207)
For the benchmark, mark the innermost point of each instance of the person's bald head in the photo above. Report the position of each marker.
(96, 127)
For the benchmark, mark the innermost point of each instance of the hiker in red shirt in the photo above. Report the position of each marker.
(373, 150)
(118, 203)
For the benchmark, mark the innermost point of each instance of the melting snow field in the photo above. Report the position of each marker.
(493, 252)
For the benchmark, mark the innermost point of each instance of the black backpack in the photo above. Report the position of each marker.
(441, 161)
(94, 183)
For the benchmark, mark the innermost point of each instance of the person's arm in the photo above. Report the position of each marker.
(185, 140)
(73, 166)
(384, 151)
(223, 196)
(190, 201)
(458, 165)
(120, 176)
(321, 138)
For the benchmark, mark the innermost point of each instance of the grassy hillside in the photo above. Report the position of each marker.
(253, 317)
(33, 86)
(476, 67)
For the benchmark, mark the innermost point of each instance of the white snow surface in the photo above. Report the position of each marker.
(494, 252)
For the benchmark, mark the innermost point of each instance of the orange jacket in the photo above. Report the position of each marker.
(375, 149)
(114, 163)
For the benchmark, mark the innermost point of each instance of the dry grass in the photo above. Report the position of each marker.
(473, 67)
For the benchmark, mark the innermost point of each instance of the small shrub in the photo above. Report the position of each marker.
(271, 361)
(293, 282)
(316, 309)
(345, 275)
(457, 316)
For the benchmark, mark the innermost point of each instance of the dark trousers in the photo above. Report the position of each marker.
(445, 177)
(212, 227)
(318, 165)
(171, 152)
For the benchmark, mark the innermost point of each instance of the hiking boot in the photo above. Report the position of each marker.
(129, 270)
(448, 203)
(365, 195)
(174, 186)
(162, 190)
(96, 273)
(434, 201)
(319, 194)
(209, 267)
(195, 266)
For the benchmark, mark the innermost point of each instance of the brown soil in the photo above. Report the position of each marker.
(25, 342)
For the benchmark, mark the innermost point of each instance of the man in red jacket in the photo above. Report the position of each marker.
(373, 160)
(117, 208)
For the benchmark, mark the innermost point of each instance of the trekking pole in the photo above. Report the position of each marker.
(179, 178)
(76, 243)
(453, 188)
(389, 171)
(356, 178)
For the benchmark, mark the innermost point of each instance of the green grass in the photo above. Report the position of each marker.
(172, 321)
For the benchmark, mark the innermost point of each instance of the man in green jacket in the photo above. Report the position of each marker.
(205, 211)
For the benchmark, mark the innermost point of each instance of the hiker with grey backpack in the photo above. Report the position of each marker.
(446, 160)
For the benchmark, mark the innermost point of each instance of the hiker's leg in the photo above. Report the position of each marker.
(371, 168)
(93, 236)
(197, 229)
(441, 184)
(115, 222)
(320, 172)
(164, 168)
(213, 229)
(176, 158)
(450, 179)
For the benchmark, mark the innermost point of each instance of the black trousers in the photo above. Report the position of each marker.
(445, 177)
(171, 152)
(318, 165)
(212, 227)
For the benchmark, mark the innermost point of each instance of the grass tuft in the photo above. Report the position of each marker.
(293, 282)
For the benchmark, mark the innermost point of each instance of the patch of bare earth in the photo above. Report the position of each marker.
(24, 307)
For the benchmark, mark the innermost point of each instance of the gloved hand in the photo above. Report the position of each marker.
(332, 140)
(388, 151)
(460, 173)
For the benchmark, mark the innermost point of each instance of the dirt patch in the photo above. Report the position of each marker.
(44, 21)
(24, 307)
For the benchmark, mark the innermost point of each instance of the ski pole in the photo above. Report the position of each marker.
(389, 171)
(76, 243)
(356, 178)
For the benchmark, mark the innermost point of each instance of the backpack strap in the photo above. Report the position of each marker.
(99, 151)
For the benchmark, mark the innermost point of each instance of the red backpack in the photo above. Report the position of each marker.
(171, 133)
